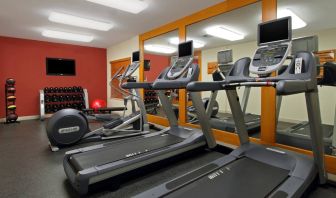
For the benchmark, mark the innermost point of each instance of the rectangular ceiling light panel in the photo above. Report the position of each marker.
(132, 6)
(67, 36)
(160, 49)
(79, 21)
(297, 22)
(224, 33)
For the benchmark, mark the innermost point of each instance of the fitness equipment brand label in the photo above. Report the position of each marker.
(218, 173)
(68, 130)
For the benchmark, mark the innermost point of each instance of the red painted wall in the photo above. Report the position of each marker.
(158, 63)
(24, 60)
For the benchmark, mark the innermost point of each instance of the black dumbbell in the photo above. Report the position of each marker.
(56, 89)
(46, 90)
(61, 98)
(55, 108)
(48, 108)
(54, 98)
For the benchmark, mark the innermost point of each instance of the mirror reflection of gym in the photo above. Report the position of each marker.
(314, 33)
(218, 43)
(159, 54)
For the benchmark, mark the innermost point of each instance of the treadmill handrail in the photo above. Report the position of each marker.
(137, 85)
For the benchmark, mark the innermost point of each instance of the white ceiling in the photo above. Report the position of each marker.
(318, 14)
(27, 18)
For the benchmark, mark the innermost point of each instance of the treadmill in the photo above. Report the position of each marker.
(298, 135)
(227, 123)
(91, 165)
(254, 170)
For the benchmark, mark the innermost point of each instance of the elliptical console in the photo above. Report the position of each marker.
(185, 59)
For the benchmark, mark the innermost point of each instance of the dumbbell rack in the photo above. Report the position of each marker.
(51, 102)
(151, 101)
(10, 102)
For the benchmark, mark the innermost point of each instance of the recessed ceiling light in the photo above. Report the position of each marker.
(160, 49)
(132, 6)
(79, 21)
(197, 44)
(67, 36)
(297, 22)
(224, 33)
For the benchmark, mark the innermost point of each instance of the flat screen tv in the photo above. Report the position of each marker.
(61, 67)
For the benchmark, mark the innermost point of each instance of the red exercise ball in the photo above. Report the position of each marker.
(98, 103)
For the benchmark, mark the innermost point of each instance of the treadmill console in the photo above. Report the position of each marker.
(224, 59)
(274, 41)
(269, 58)
(134, 65)
(183, 62)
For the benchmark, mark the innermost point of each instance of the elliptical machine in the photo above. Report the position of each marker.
(69, 126)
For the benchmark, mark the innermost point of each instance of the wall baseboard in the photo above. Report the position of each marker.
(23, 118)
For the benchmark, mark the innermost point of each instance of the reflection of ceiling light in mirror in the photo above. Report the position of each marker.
(79, 21)
(224, 33)
(132, 6)
(160, 49)
(196, 43)
(67, 36)
(297, 22)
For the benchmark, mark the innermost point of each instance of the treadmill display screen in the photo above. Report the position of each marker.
(185, 49)
(224, 57)
(309, 44)
(279, 30)
(136, 56)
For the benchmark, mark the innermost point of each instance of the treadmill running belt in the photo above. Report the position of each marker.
(121, 151)
(242, 178)
(327, 130)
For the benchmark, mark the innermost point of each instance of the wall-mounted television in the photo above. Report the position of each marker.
(61, 67)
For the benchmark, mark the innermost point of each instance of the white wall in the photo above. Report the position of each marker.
(293, 107)
(119, 51)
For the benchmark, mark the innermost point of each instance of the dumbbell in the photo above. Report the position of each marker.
(80, 89)
(56, 89)
(61, 98)
(47, 108)
(46, 98)
(11, 89)
(12, 117)
(46, 90)
(62, 106)
(10, 81)
(70, 89)
(54, 108)
(54, 98)
(11, 107)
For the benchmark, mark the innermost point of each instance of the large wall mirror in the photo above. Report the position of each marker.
(219, 42)
(313, 30)
(159, 53)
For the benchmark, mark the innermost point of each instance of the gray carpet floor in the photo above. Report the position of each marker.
(29, 169)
